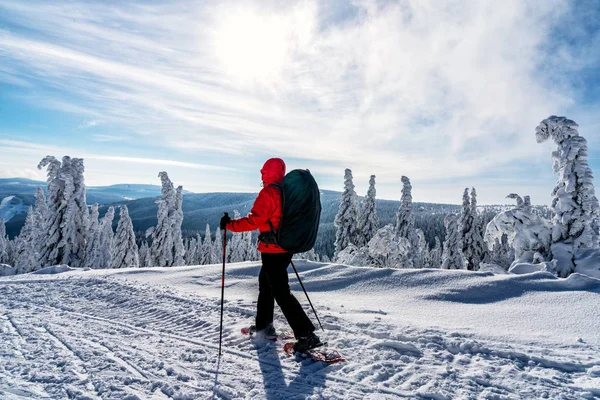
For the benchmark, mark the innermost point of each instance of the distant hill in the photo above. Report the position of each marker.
(17, 194)
(207, 208)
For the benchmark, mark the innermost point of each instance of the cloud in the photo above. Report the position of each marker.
(432, 90)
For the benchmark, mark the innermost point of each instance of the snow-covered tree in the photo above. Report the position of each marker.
(472, 237)
(404, 217)
(103, 249)
(419, 249)
(453, 257)
(125, 248)
(308, 255)
(435, 255)
(178, 249)
(162, 249)
(501, 252)
(527, 232)
(346, 220)
(237, 244)
(40, 209)
(144, 255)
(368, 223)
(389, 249)
(191, 250)
(575, 225)
(3, 243)
(66, 224)
(92, 236)
(207, 247)
(217, 254)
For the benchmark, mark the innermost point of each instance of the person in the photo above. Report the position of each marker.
(273, 283)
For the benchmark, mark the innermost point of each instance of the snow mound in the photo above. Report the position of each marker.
(7, 270)
(55, 269)
(526, 268)
(493, 268)
(587, 262)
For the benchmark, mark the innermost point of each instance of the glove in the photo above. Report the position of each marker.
(224, 221)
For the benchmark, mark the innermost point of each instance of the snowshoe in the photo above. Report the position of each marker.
(328, 356)
(269, 333)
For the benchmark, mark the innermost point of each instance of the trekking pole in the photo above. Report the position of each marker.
(308, 298)
(223, 285)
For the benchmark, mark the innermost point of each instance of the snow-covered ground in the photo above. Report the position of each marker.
(153, 334)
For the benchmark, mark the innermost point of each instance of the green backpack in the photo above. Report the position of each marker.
(301, 211)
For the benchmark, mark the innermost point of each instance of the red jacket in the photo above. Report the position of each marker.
(267, 206)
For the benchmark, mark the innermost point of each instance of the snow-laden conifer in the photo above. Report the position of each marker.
(369, 220)
(237, 244)
(453, 257)
(472, 236)
(575, 225)
(207, 247)
(66, 224)
(144, 254)
(104, 243)
(125, 248)
(191, 249)
(162, 236)
(92, 236)
(388, 249)
(3, 243)
(40, 209)
(527, 233)
(435, 255)
(26, 256)
(178, 248)
(217, 254)
(346, 220)
(404, 217)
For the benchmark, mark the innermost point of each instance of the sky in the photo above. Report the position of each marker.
(447, 93)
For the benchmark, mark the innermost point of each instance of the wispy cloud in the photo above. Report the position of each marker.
(432, 90)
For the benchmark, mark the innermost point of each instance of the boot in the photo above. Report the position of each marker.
(305, 343)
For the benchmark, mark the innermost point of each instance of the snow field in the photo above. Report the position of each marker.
(153, 334)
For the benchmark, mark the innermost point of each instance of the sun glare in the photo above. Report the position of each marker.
(252, 47)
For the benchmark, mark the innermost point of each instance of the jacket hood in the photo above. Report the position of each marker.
(273, 171)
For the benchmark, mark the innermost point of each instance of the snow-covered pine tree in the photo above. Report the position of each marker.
(237, 244)
(40, 209)
(217, 254)
(404, 217)
(3, 243)
(453, 257)
(346, 220)
(162, 236)
(435, 255)
(207, 247)
(528, 234)
(92, 236)
(473, 245)
(575, 225)
(368, 223)
(189, 246)
(26, 256)
(178, 249)
(420, 249)
(104, 243)
(66, 224)
(249, 245)
(125, 248)
(144, 254)
(502, 253)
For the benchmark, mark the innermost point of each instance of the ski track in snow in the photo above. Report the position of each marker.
(106, 338)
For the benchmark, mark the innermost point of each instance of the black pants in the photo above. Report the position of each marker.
(273, 285)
